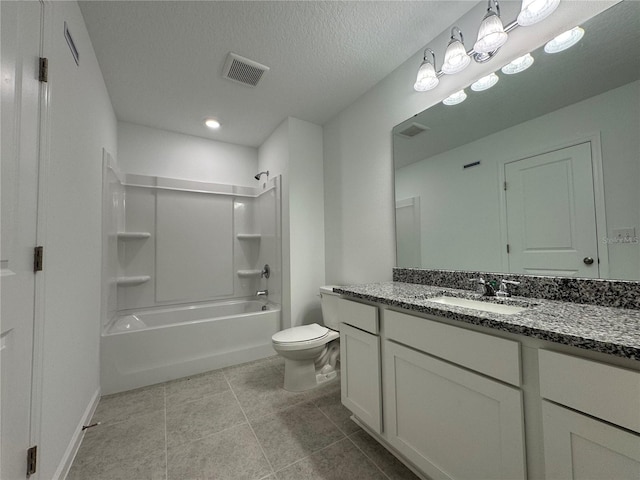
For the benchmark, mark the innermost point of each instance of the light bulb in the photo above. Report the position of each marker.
(491, 35)
(455, 58)
(427, 78)
(518, 65)
(534, 11)
(455, 98)
(485, 83)
(565, 40)
(212, 123)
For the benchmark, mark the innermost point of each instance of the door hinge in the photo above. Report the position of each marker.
(43, 74)
(505, 186)
(508, 249)
(38, 255)
(32, 460)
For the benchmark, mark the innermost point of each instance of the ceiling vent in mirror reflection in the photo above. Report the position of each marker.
(243, 70)
(413, 130)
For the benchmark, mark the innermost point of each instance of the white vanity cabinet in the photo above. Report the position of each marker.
(451, 422)
(360, 362)
(590, 418)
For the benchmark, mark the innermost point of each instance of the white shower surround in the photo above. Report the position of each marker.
(150, 346)
(178, 320)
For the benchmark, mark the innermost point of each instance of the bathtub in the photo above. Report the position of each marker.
(156, 345)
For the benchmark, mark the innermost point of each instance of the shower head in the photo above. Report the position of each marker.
(257, 177)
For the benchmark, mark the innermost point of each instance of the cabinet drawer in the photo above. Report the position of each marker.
(493, 356)
(359, 315)
(604, 391)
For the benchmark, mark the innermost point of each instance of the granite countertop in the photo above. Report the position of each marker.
(615, 331)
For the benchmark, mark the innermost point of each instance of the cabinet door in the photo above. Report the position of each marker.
(360, 375)
(452, 423)
(579, 447)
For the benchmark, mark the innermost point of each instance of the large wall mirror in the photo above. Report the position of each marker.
(539, 174)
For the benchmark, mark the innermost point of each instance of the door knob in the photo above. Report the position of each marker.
(587, 260)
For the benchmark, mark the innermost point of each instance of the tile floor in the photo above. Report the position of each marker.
(236, 423)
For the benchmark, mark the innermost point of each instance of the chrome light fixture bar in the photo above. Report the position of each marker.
(492, 35)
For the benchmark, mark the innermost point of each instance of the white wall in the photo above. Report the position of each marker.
(358, 164)
(82, 123)
(150, 151)
(294, 150)
(273, 156)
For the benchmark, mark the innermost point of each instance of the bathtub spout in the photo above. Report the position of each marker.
(262, 293)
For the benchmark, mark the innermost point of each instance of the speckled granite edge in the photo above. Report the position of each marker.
(607, 330)
(607, 293)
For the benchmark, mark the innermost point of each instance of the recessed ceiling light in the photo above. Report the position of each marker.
(564, 40)
(212, 123)
(485, 83)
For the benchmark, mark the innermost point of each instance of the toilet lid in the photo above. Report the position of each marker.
(303, 333)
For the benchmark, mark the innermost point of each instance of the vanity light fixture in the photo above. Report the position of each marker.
(456, 57)
(427, 78)
(534, 11)
(491, 35)
(565, 40)
(520, 64)
(455, 98)
(485, 83)
(212, 123)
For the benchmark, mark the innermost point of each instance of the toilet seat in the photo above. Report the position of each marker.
(303, 337)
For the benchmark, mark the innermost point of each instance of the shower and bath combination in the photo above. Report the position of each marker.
(257, 176)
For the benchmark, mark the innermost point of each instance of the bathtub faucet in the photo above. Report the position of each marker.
(262, 293)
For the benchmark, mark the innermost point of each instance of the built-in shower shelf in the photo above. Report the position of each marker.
(249, 273)
(133, 235)
(134, 280)
(249, 236)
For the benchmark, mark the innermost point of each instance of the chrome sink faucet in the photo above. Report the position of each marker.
(483, 288)
(504, 288)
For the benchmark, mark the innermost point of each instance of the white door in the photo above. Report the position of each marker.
(21, 32)
(551, 219)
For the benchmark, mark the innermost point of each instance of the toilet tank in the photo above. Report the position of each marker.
(329, 302)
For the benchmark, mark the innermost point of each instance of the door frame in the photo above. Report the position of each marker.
(44, 135)
(598, 193)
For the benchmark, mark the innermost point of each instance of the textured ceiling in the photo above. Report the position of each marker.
(162, 61)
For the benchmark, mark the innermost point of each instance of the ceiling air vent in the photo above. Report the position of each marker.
(413, 130)
(243, 70)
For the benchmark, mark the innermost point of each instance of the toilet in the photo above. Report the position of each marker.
(310, 351)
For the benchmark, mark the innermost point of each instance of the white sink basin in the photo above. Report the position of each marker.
(478, 305)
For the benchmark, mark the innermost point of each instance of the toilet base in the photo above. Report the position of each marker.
(302, 375)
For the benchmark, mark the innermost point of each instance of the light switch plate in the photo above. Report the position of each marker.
(625, 235)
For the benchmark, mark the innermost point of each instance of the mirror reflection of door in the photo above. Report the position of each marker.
(408, 232)
(551, 215)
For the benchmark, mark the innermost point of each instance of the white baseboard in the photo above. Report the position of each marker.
(74, 445)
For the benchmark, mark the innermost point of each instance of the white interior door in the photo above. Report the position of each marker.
(551, 216)
(21, 32)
